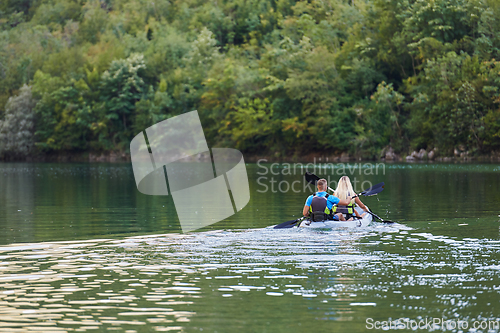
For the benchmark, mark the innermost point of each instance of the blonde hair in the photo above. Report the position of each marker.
(344, 189)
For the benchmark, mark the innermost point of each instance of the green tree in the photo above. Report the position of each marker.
(17, 128)
(387, 105)
(450, 106)
(63, 113)
(121, 87)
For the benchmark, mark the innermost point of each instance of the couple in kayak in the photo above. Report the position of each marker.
(322, 206)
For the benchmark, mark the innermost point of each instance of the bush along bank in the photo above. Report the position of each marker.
(285, 76)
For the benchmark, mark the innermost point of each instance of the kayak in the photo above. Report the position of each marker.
(365, 220)
(329, 224)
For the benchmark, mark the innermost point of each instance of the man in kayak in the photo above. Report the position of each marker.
(319, 205)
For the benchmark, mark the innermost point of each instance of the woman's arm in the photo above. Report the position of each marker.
(360, 204)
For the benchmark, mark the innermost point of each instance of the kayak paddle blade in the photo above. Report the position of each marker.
(375, 189)
(288, 224)
(311, 178)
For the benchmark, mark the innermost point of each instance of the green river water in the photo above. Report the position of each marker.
(82, 250)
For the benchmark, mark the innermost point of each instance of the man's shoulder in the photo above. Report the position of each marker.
(309, 199)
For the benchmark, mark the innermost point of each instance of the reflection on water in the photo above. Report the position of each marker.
(82, 250)
(40, 202)
(217, 280)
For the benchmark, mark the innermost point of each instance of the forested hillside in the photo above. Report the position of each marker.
(266, 76)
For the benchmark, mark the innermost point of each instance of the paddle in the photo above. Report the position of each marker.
(289, 224)
(380, 219)
(374, 190)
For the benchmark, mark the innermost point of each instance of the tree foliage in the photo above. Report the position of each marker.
(17, 128)
(287, 76)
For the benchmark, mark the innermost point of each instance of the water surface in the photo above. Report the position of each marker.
(82, 250)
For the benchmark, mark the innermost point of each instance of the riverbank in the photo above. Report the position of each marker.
(317, 157)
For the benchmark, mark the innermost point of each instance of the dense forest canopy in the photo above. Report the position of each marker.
(266, 76)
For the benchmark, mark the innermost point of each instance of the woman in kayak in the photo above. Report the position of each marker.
(344, 190)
